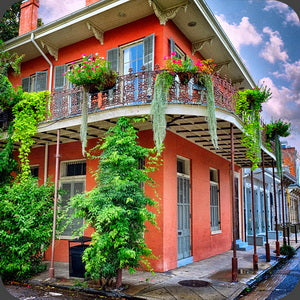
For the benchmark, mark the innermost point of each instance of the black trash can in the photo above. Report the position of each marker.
(76, 266)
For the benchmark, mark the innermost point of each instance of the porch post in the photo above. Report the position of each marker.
(255, 258)
(267, 246)
(234, 214)
(51, 269)
(276, 216)
(283, 217)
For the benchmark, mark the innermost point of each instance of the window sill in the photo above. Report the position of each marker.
(215, 232)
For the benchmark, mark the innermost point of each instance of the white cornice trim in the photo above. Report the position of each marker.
(66, 21)
(216, 27)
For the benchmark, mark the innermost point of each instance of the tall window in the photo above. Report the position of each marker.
(214, 201)
(72, 183)
(36, 82)
(134, 55)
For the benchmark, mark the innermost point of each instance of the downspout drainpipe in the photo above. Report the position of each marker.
(51, 269)
(47, 60)
(49, 89)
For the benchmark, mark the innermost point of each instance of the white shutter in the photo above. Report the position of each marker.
(172, 45)
(60, 79)
(26, 84)
(149, 52)
(40, 81)
(113, 58)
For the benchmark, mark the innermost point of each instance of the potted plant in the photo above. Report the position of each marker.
(248, 106)
(93, 73)
(184, 68)
(273, 131)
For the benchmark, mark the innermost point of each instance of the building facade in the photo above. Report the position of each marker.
(195, 180)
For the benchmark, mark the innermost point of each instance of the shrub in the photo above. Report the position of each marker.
(287, 250)
(25, 228)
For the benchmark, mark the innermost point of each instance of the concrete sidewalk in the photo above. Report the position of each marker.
(207, 279)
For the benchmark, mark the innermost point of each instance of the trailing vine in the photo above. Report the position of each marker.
(84, 120)
(248, 106)
(28, 112)
(274, 130)
(206, 79)
(159, 102)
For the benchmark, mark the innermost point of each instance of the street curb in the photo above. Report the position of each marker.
(113, 293)
(264, 274)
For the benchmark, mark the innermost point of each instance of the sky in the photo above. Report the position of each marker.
(266, 34)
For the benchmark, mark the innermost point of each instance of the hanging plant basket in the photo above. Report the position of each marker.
(109, 80)
(92, 88)
(184, 77)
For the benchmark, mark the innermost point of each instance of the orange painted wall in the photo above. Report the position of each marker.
(113, 38)
(204, 244)
(68, 151)
(163, 240)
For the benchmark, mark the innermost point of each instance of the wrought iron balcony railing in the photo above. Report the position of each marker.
(135, 89)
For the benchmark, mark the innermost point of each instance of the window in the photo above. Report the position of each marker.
(36, 82)
(214, 201)
(71, 103)
(72, 182)
(34, 171)
(134, 55)
(174, 48)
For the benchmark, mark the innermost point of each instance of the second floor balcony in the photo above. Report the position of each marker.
(137, 89)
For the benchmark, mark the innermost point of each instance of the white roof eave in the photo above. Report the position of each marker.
(216, 27)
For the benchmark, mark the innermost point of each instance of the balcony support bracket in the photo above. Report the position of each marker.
(165, 14)
(221, 65)
(197, 45)
(51, 49)
(97, 32)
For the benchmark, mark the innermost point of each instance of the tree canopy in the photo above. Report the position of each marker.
(9, 25)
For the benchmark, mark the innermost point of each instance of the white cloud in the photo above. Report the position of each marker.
(289, 14)
(240, 34)
(273, 49)
(284, 105)
(291, 73)
(51, 10)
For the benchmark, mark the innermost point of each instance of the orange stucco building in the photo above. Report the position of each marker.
(195, 180)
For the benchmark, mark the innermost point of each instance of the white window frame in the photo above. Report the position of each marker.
(215, 183)
(122, 48)
(71, 179)
(32, 81)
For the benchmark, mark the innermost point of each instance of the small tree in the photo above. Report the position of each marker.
(25, 227)
(117, 207)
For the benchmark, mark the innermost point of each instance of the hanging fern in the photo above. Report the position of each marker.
(159, 102)
(211, 109)
(84, 120)
(248, 106)
(273, 131)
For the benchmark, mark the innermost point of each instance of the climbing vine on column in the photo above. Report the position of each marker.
(28, 113)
